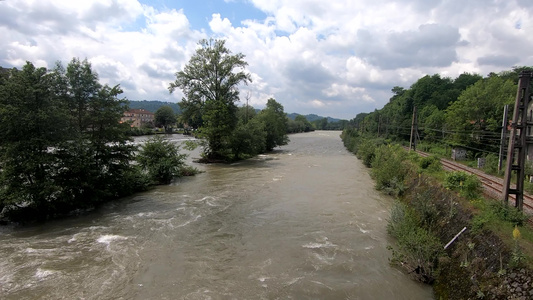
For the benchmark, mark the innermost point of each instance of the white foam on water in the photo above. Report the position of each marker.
(96, 228)
(320, 283)
(74, 238)
(206, 198)
(108, 238)
(190, 221)
(293, 281)
(362, 230)
(42, 273)
(327, 244)
(145, 214)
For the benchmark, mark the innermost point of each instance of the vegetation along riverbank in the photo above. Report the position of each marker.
(490, 259)
(65, 146)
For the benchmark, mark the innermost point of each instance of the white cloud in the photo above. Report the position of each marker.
(336, 58)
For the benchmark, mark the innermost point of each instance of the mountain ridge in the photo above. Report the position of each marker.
(154, 105)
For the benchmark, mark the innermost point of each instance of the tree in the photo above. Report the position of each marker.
(303, 124)
(275, 122)
(97, 155)
(475, 118)
(31, 125)
(209, 82)
(249, 138)
(164, 116)
(63, 146)
(161, 159)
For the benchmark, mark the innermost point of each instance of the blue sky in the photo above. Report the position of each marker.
(331, 58)
(199, 13)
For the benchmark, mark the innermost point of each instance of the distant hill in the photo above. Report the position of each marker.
(313, 117)
(153, 105)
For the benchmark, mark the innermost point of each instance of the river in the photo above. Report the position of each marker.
(303, 222)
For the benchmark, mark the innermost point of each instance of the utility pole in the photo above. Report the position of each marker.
(248, 96)
(503, 136)
(517, 143)
(414, 131)
(379, 126)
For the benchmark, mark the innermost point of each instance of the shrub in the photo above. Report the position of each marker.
(467, 185)
(389, 169)
(162, 160)
(417, 247)
(430, 163)
(491, 164)
(365, 152)
(508, 213)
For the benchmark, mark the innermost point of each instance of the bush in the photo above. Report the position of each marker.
(162, 160)
(390, 168)
(491, 164)
(467, 185)
(417, 247)
(430, 163)
(365, 152)
(508, 213)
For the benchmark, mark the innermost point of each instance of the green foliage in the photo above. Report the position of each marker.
(415, 246)
(299, 124)
(162, 160)
(63, 145)
(209, 82)
(165, 116)
(467, 185)
(508, 213)
(491, 164)
(275, 122)
(366, 151)
(249, 139)
(475, 118)
(390, 169)
(430, 163)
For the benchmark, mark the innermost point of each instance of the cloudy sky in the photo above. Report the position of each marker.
(333, 58)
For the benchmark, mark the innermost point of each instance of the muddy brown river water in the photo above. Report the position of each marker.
(303, 222)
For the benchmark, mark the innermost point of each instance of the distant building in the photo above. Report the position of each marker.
(138, 117)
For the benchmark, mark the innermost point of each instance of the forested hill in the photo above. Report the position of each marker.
(313, 117)
(153, 105)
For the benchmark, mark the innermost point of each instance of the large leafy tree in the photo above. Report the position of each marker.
(97, 153)
(474, 120)
(165, 116)
(32, 124)
(276, 124)
(210, 83)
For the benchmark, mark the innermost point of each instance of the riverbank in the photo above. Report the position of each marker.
(448, 235)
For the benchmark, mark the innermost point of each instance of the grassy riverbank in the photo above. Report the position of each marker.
(491, 259)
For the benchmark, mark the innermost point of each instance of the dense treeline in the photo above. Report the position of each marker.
(466, 111)
(62, 145)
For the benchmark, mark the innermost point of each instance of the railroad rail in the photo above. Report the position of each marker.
(492, 185)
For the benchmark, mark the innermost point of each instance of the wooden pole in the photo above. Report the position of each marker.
(412, 141)
(503, 136)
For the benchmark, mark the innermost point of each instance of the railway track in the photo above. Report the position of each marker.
(492, 185)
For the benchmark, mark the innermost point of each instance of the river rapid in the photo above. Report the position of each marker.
(303, 222)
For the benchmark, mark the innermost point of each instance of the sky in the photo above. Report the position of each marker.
(330, 58)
